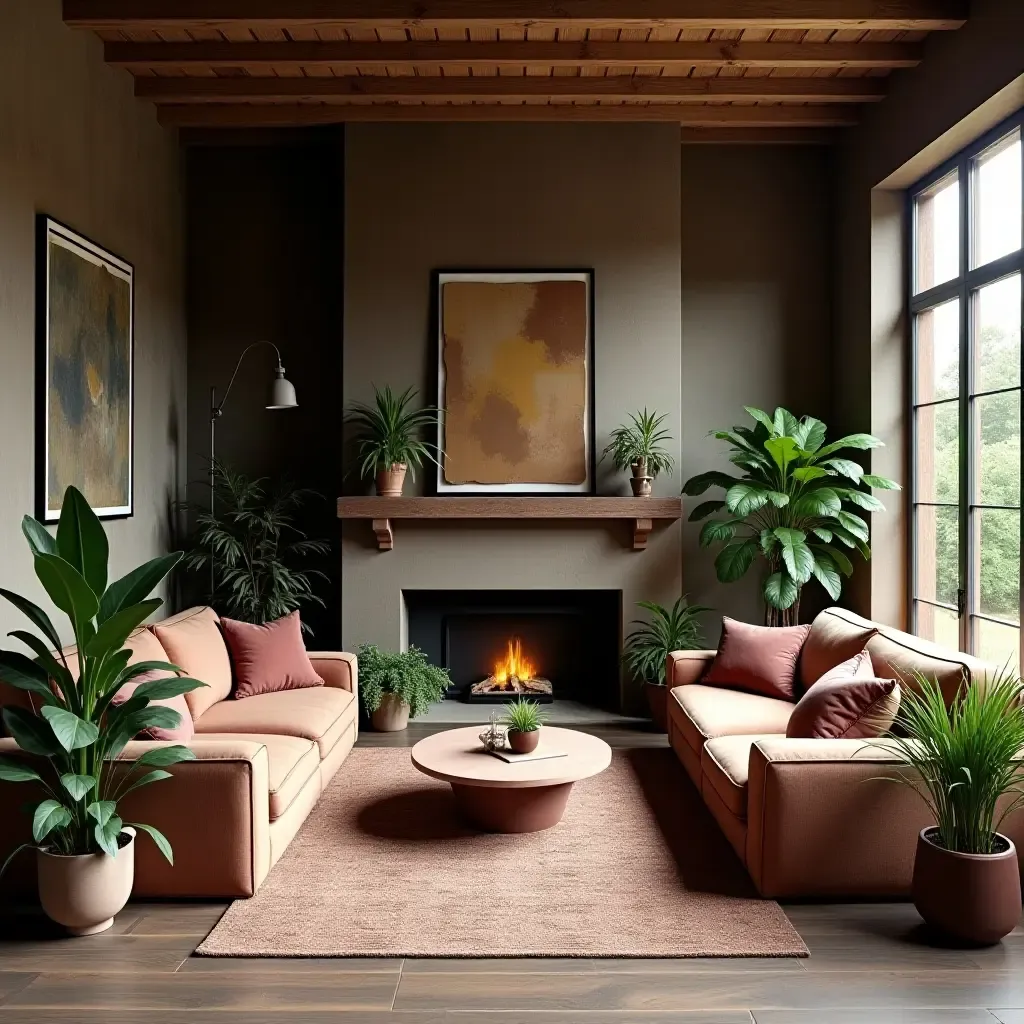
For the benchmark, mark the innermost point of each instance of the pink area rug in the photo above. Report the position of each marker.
(384, 867)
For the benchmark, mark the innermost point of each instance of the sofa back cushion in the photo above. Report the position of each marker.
(758, 659)
(832, 640)
(193, 641)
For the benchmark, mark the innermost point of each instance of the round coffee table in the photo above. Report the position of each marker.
(500, 797)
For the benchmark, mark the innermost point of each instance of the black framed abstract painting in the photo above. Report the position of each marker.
(85, 373)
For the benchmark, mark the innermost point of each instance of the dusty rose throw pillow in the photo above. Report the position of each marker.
(847, 702)
(269, 657)
(182, 732)
(760, 659)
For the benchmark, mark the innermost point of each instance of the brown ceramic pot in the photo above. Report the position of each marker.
(657, 701)
(84, 892)
(973, 897)
(640, 481)
(523, 742)
(389, 481)
(392, 715)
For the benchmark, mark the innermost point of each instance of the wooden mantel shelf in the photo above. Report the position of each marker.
(641, 513)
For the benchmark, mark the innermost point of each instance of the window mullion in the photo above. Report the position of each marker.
(967, 552)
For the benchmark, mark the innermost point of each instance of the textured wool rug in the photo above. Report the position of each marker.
(384, 867)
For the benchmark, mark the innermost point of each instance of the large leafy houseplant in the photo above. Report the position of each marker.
(253, 550)
(79, 730)
(404, 682)
(796, 503)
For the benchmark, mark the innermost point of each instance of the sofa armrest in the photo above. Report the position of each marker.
(685, 667)
(337, 668)
(213, 810)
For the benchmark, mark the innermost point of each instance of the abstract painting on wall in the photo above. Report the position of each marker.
(515, 382)
(85, 373)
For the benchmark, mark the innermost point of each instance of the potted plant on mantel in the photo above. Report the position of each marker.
(647, 648)
(397, 686)
(639, 447)
(792, 506)
(85, 853)
(524, 719)
(388, 441)
(964, 761)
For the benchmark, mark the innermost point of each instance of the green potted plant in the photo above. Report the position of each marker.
(388, 441)
(793, 505)
(647, 648)
(397, 686)
(639, 447)
(85, 852)
(965, 762)
(524, 719)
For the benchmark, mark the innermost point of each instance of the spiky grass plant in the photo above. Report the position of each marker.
(963, 759)
(388, 432)
(523, 715)
(642, 441)
(669, 629)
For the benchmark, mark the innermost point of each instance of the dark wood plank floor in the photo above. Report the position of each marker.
(869, 963)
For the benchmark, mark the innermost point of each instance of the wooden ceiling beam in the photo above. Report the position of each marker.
(509, 88)
(695, 116)
(514, 54)
(861, 14)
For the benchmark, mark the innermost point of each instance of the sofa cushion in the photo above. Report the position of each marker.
(321, 714)
(268, 657)
(847, 702)
(832, 640)
(725, 763)
(759, 659)
(706, 712)
(193, 641)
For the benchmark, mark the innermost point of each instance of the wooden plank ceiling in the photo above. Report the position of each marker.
(791, 70)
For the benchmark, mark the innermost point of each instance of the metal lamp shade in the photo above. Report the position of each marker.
(282, 393)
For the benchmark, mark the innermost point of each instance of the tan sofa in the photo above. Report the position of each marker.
(261, 764)
(809, 818)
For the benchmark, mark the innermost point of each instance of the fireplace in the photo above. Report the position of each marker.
(544, 644)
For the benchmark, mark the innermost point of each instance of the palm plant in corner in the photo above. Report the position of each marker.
(796, 505)
(74, 724)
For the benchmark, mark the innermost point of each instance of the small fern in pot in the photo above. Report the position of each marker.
(398, 685)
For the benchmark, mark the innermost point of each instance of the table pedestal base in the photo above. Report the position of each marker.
(504, 809)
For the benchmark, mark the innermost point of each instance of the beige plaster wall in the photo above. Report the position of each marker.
(75, 144)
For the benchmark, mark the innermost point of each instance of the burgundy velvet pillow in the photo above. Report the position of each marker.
(182, 732)
(847, 702)
(759, 659)
(269, 657)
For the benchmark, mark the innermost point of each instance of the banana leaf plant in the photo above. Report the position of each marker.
(796, 505)
(79, 730)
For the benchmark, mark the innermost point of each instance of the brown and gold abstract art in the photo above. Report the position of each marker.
(515, 383)
(87, 392)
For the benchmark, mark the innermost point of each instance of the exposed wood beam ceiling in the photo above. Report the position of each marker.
(792, 70)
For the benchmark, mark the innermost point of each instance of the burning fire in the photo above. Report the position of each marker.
(513, 664)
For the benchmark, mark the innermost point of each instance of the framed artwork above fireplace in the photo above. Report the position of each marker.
(515, 377)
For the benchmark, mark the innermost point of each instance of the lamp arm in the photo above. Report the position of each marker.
(217, 408)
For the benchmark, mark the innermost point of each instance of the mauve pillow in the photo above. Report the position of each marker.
(759, 659)
(847, 702)
(183, 731)
(269, 657)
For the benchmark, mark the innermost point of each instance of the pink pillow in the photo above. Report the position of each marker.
(183, 731)
(270, 657)
(759, 659)
(847, 702)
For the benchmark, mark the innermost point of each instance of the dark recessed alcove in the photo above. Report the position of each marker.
(572, 636)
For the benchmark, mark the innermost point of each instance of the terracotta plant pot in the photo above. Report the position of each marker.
(974, 897)
(657, 701)
(390, 481)
(392, 715)
(523, 742)
(640, 481)
(84, 892)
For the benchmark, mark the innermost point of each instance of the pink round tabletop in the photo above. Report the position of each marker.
(458, 756)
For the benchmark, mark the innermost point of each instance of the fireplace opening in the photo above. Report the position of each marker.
(543, 644)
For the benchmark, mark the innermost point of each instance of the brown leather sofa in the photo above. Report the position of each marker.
(810, 818)
(261, 764)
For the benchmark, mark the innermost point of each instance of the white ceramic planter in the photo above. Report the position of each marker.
(392, 715)
(83, 893)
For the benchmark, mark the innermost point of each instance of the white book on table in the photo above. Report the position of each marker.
(540, 754)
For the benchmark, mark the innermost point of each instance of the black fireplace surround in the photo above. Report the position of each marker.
(573, 637)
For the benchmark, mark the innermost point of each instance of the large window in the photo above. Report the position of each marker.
(966, 305)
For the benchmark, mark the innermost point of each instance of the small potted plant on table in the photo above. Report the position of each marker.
(639, 446)
(397, 686)
(647, 649)
(389, 444)
(524, 719)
